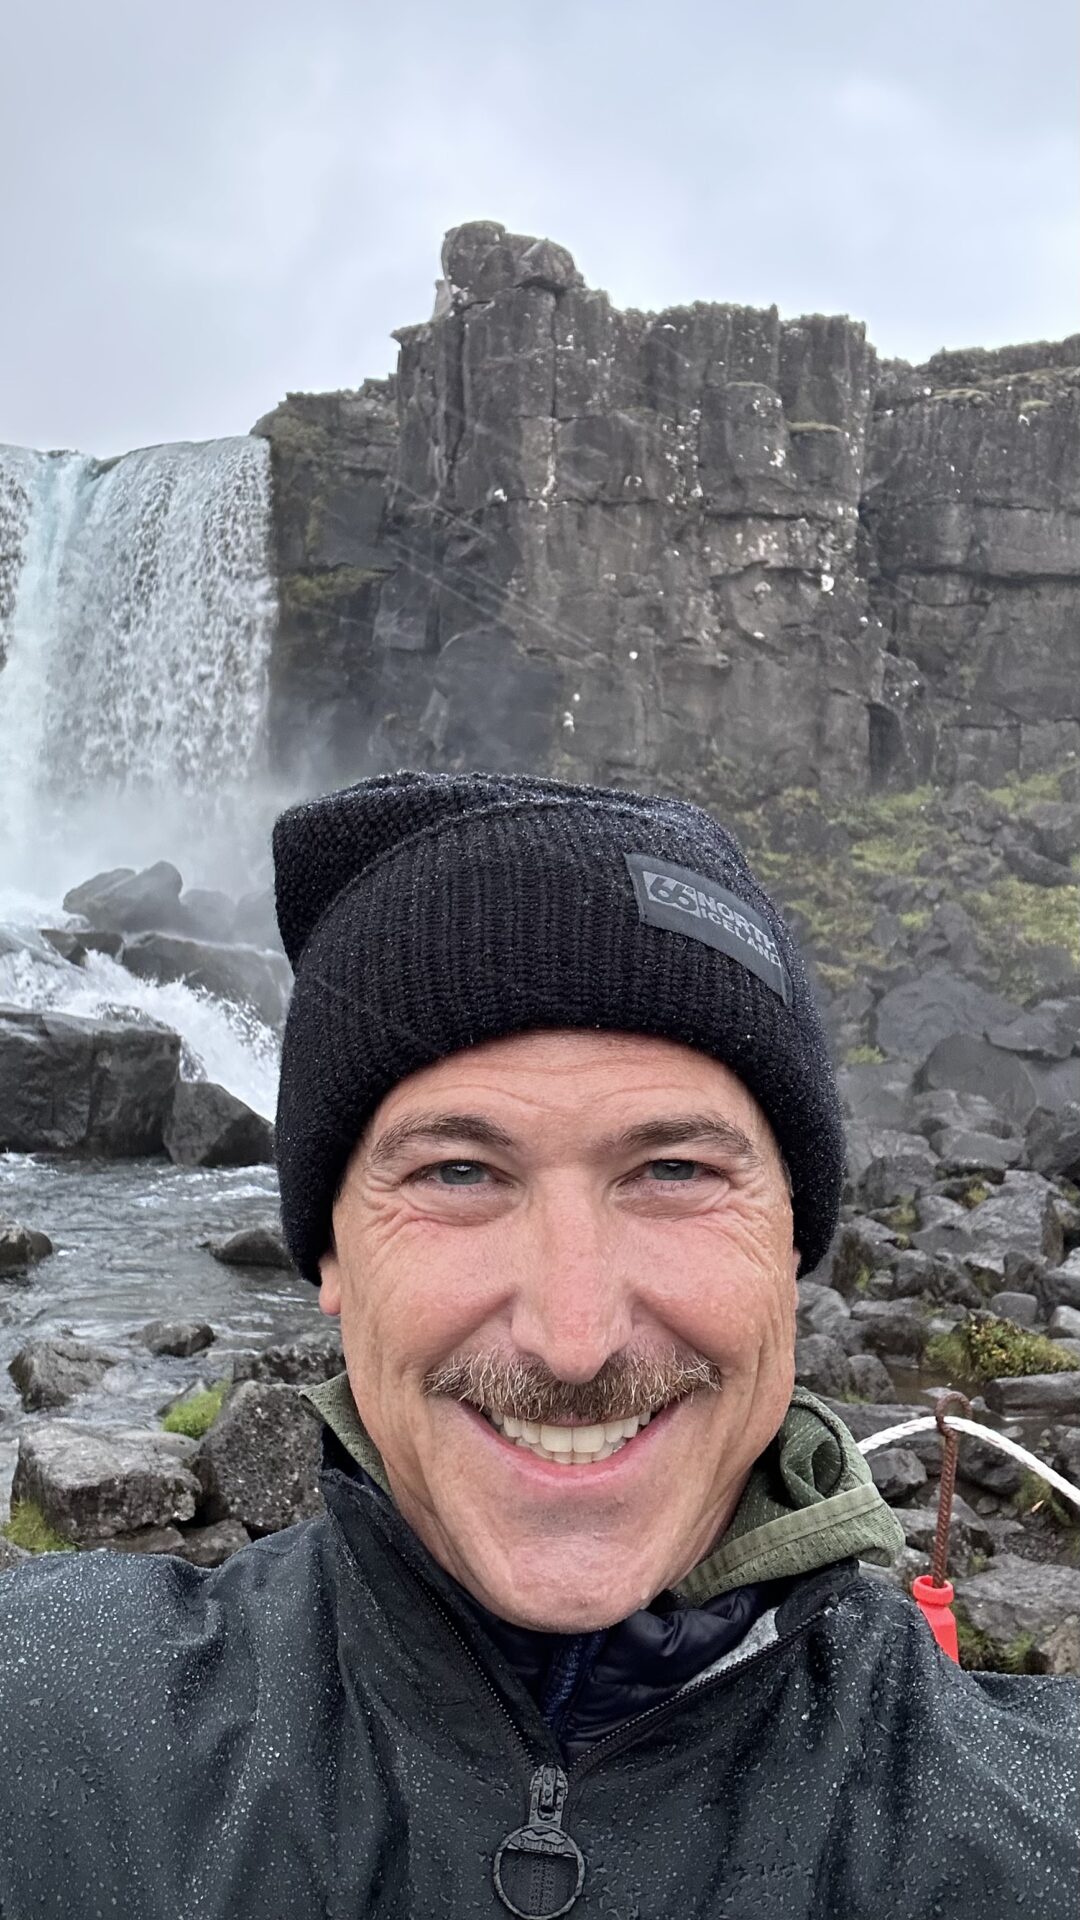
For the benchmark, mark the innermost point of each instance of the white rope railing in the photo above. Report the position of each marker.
(927, 1422)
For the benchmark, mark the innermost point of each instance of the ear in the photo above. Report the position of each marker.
(330, 1283)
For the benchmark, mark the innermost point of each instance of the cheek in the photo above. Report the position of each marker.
(726, 1286)
(411, 1290)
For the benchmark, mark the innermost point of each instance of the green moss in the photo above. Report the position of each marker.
(196, 1413)
(1035, 1495)
(863, 1057)
(991, 1349)
(981, 1653)
(812, 426)
(975, 1194)
(915, 920)
(902, 1218)
(1013, 919)
(28, 1528)
(883, 853)
(1019, 788)
(326, 592)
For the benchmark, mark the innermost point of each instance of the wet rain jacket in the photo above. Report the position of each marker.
(321, 1727)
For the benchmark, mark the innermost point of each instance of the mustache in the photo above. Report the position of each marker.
(628, 1384)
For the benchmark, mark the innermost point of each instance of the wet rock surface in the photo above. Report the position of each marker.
(87, 1086)
(92, 1483)
(207, 1126)
(259, 1462)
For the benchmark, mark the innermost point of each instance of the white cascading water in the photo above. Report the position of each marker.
(136, 615)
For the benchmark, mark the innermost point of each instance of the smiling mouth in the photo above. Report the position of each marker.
(569, 1446)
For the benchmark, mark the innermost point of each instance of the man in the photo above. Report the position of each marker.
(584, 1627)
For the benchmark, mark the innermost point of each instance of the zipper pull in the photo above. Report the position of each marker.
(539, 1869)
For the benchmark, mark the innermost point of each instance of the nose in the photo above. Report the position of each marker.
(573, 1297)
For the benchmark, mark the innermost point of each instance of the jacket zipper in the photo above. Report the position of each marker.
(626, 1733)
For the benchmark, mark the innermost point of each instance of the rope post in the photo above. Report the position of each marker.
(932, 1591)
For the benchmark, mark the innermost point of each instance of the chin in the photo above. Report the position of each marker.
(559, 1606)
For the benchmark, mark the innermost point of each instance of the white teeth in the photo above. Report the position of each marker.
(570, 1446)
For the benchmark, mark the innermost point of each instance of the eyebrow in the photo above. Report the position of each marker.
(476, 1130)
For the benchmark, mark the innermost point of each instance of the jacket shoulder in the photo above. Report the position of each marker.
(76, 1628)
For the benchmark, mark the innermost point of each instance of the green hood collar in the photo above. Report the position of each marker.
(809, 1501)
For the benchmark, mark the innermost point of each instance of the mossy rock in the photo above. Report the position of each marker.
(986, 1348)
(981, 1653)
(194, 1414)
(29, 1529)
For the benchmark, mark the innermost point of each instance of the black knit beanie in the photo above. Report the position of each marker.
(424, 913)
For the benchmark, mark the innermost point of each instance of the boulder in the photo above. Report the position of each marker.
(870, 1378)
(1021, 1308)
(968, 1533)
(820, 1309)
(962, 1152)
(934, 1276)
(123, 901)
(940, 1108)
(1047, 1031)
(179, 1338)
(892, 1328)
(50, 1373)
(876, 1093)
(21, 1248)
(1018, 1216)
(147, 1540)
(862, 1421)
(92, 1483)
(259, 1463)
(73, 1085)
(1057, 1395)
(1064, 1324)
(210, 1546)
(1052, 1141)
(884, 1167)
(1016, 1597)
(821, 1364)
(1056, 1286)
(897, 1472)
(983, 1466)
(965, 1063)
(208, 915)
(860, 1247)
(310, 1358)
(260, 1246)
(12, 1556)
(912, 1019)
(1059, 1650)
(245, 976)
(209, 1127)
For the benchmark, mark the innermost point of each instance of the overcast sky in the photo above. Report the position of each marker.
(205, 205)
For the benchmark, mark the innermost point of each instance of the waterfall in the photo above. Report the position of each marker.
(136, 613)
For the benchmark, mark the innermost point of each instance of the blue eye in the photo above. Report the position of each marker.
(459, 1173)
(672, 1169)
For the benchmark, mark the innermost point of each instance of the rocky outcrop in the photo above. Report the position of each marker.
(706, 548)
(971, 500)
(73, 1085)
(207, 1126)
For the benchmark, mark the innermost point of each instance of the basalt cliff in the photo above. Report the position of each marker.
(709, 550)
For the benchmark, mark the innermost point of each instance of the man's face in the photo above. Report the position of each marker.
(563, 1230)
